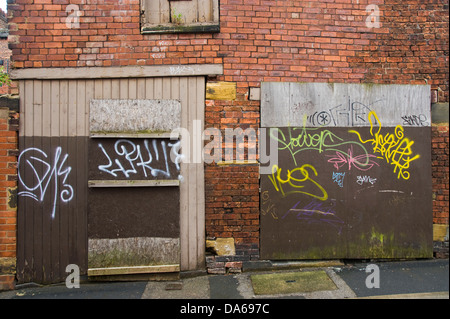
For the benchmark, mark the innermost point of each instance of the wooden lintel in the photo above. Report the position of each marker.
(135, 135)
(117, 72)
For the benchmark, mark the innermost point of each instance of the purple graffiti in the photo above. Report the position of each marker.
(317, 212)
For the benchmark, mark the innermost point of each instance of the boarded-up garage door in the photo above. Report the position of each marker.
(53, 170)
(353, 178)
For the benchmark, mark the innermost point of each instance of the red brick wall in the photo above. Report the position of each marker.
(414, 48)
(440, 162)
(312, 41)
(232, 203)
(8, 187)
(259, 40)
(232, 191)
(8, 183)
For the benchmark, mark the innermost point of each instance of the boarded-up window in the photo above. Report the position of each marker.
(189, 16)
(134, 194)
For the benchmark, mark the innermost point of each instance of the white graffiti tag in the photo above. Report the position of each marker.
(43, 173)
(365, 179)
(128, 157)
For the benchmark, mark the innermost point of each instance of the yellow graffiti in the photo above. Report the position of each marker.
(296, 179)
(395, 148)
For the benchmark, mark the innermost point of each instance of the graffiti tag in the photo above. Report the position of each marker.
(45, 172)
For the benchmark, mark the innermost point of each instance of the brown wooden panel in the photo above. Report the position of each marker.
(334, 194)
(52, 229)
(134, 212)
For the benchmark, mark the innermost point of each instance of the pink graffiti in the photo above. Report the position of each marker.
(362, 162)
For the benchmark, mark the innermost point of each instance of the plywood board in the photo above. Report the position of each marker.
(343, 105)
(353, 181)
(134, 116)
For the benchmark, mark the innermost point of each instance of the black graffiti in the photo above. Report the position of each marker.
(415, 120)
(350, 113)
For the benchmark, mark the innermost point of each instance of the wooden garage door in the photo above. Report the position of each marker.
(53, 170)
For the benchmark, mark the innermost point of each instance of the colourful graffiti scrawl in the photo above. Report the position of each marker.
(295, 181)
(395, 148)
(321, 140)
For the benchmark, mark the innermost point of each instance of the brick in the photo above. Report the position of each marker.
(217, 271)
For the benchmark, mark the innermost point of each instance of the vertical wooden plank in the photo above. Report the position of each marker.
(89, 95)
(81, 108)
(149, 88)
(37, 108)
(72, 102)
(166, 88)
(98, 89)
(140, 89)
(29, 224)
(107, 87)
(54, 143)
(175, 93)
(54, 107)
(63, 108)
(184, 186)
(25, 220)
(175, 88)
(23, 112)
(71, 150)
(157, 88)
(71, 207)
(200, 178)
(29, 115)
(115, 89)
(21, 199)
(46, 108)
(192, 192)
(123, 89)
(62, 211)
(37, 209)
(132, 89)
(46, 146)
(82, 163)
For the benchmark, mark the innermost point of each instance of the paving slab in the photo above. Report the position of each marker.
(190, 288)
(224, 287)
(292, 282)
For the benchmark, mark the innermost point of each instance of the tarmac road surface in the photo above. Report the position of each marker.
(421, 279)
